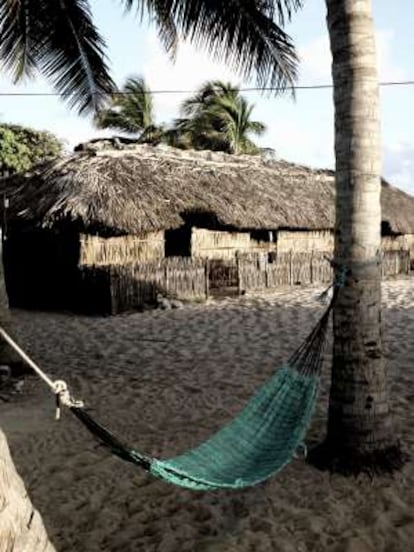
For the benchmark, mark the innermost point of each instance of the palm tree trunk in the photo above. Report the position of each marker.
(360, 436)
(21, 527)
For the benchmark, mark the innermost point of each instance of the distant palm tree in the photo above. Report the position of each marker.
(234, 118)
(207, 95)
(131, 110)
(217, 117)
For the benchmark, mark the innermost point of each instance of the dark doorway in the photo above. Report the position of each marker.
(223, 278)
(178, 242)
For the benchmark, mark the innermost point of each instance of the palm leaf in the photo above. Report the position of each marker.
(112, 119)
(130, 109)
(59, 38)
(257, 127)
(18, 26)
(244, 34)
(219, 118)
(137, 96)
(207, 95)
(160, 12)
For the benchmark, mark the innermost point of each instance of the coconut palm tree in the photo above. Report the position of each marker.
(58, 38)
(360, 435)
(234, 117)
(217, 117)
(131, 110)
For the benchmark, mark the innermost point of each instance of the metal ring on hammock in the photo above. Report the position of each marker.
(301, 455)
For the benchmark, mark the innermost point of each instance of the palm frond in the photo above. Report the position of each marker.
(282, 10)
(248, 147)
(159, 12)
(256, 127)
(208, 94)
(167, 30)
(217, 117)
(152, 134)
(112, 119)
(59, 38)
(137, 95)
(19, 37)
(73, 56)
(247, 35)
(130, 109)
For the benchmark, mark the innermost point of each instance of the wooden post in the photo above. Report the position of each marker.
(290, 268)
(206, 270)
(110, 291)
(238, 273)
(311, 267)
(166, 279)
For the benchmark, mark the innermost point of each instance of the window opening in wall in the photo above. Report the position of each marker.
(178, 242)
(271, 257)
(267, 236)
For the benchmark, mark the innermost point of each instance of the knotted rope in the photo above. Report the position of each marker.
(58, 387)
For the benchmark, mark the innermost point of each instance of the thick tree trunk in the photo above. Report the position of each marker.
(360, 435)
(21, 527)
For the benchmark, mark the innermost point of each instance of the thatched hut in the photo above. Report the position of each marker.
(106, 208)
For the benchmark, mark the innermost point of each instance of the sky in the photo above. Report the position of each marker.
(299, 130)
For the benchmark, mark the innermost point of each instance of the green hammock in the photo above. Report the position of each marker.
(260, 440)
(255, 445)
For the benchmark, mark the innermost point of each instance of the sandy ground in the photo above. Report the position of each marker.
(169, 394)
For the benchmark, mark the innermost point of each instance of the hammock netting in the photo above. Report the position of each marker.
(257, 443)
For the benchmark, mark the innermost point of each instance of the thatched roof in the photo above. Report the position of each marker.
(144, 188)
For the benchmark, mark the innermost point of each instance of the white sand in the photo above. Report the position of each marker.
(165, 396)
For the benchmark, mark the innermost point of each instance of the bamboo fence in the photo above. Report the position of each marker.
(95, 250)
(124, 287)
(261, 271)
(395, 262)
(132, 286)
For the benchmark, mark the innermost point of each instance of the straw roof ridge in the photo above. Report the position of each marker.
(142, 188)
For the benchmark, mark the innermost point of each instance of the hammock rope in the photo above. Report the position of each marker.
(255, 445)
(58, 387)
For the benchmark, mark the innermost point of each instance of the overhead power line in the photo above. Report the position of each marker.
(252, 89)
